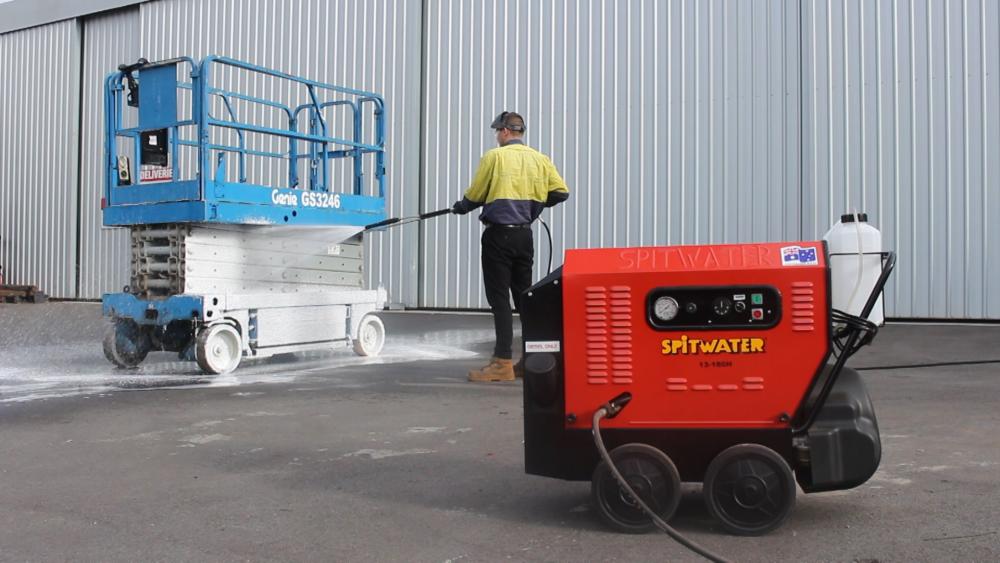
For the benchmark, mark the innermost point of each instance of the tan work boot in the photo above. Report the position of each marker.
(498, 369)
(519, 369)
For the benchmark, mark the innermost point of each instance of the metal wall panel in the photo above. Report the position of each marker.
(672, 122)
(901, 118)
(108, 40)
(676, 121)
(371, 45)
(39, 144)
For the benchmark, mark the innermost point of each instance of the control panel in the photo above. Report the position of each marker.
(693, 308)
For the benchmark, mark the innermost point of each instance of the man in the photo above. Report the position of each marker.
(514, 183)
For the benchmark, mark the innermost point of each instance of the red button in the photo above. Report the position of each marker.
(757, 314)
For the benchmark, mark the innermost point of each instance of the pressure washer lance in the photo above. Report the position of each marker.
(611, 410)
(396, 221)
(405, 220)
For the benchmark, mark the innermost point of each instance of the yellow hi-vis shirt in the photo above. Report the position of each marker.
(514, 183)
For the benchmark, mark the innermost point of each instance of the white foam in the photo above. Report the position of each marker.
(30, 373)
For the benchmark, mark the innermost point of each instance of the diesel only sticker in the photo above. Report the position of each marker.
(542, 346)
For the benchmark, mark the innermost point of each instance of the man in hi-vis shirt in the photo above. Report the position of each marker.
(514, 184)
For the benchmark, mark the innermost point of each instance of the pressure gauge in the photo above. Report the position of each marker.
(665, 308)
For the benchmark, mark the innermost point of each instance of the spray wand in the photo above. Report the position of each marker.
(396, 221)
(405, 220)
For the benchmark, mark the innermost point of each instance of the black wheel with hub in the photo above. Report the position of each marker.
(750, 489)
(653, 477)
(126, 344)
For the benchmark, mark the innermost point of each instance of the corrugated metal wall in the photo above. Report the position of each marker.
(39, 144)
(901, 118)
(108, 41)
(678, 121)
(371, 45)
(672, 122)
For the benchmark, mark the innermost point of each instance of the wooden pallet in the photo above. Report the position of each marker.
(22, 294)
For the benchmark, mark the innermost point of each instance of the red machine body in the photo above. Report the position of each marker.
(750, 333)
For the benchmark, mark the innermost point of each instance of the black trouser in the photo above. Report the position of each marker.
(508, 255)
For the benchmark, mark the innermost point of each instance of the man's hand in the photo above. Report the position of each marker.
(459, 208)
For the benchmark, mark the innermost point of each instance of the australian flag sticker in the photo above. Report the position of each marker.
(799, 256)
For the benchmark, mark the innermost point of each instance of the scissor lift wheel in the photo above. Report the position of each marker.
(126, 344)
(750, 489)
(218, 349)
(371, 336)
(653, 477)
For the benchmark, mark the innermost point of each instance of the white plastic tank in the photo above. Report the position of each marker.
(855, 264)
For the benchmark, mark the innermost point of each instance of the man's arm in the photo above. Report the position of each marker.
(479, 188)
(558, 192)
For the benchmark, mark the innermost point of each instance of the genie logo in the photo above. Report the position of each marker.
(284, 198)
(799, 256)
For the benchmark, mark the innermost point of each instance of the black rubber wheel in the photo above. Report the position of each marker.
(750, 489)
(126, 344)
(652, 476)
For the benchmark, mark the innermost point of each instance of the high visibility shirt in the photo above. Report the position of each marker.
(514, 183)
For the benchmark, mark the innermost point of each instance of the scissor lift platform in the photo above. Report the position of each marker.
(241, 245)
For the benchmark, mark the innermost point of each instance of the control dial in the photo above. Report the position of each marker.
(722, 306)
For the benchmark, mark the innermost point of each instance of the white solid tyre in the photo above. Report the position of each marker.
(371, 336)
(219, 349)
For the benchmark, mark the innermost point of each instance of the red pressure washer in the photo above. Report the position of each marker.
(722, 354)
(720, 364)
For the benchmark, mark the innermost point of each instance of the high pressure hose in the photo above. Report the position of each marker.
(611, 409)
(548, 233)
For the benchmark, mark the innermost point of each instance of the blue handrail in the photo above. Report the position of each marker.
(322, 144)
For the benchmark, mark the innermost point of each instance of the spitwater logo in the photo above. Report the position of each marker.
(799, 256)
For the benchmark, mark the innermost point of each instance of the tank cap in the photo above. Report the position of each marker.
(849, 218)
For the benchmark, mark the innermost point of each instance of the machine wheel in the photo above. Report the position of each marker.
(218, 349)
(371, 336)
(750, 489)
(126, 344)
(651, 475)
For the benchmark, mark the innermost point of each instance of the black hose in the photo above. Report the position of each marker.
(548, 233)
(596, 430)
(928, 365)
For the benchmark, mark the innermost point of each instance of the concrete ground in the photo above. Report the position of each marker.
(328, 457)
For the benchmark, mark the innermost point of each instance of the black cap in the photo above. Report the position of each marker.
(849, 218)
(509, 120)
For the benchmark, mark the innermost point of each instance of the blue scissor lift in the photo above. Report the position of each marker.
(245, 191)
